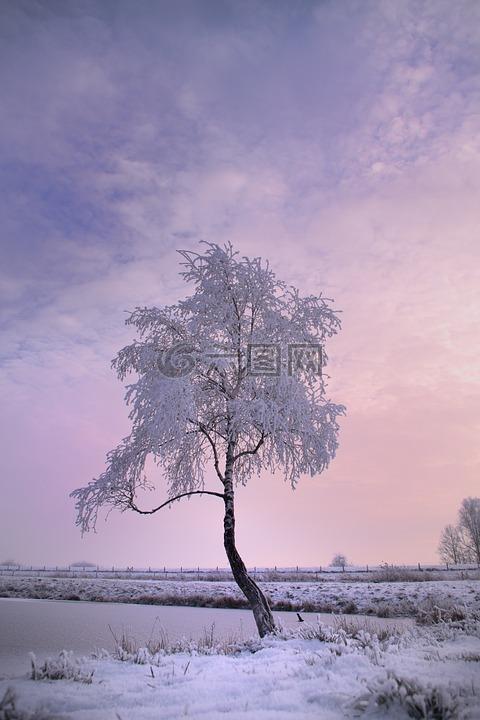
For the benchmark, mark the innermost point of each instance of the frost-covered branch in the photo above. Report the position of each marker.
(253, 451)
(133, 506)
(216, 461)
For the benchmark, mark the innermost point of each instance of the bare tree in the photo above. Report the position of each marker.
(228, 376)
(469, 525)
(451, 547)
(339, 560)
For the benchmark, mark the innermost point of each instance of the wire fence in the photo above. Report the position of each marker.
(296, 573)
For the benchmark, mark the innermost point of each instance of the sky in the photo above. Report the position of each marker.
(340, 140)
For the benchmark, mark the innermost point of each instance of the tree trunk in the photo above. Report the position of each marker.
(256, 598)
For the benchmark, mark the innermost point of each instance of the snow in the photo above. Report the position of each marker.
(326, 674)
(385, 599)
(277, 678)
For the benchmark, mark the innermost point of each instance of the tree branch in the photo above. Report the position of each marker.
(251, 452)
(132, 505)
(204, 430)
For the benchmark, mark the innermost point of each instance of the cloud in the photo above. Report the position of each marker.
(340, 140)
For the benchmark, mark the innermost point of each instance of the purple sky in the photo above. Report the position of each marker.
(338, 139)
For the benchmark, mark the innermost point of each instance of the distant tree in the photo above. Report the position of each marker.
(215, 383)
(339, 560)
(469, 525)
(451, 548)
(82, 564)
(461, 543)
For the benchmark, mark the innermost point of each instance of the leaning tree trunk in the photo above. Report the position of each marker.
(256, 598)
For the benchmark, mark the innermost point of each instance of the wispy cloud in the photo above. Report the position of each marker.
(341, 140)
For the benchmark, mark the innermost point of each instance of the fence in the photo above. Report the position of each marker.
(295, 573)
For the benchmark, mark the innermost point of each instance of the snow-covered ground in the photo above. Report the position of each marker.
(327, 674)
(386, 599)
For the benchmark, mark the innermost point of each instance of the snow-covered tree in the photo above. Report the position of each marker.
(339, 560)
(227, 376)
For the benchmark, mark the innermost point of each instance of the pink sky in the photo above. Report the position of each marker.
(341, 142)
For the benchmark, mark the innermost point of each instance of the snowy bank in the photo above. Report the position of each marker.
(388, 599)
(323, 673)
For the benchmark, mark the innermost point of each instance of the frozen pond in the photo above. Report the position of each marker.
(48, 626)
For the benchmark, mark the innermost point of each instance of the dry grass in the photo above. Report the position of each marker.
(159, 644)
(63, 667)
(413, 699)
(433, 611)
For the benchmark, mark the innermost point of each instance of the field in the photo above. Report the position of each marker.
(383, 599)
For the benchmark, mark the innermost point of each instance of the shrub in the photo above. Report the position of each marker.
(422, 702)
(350, 607)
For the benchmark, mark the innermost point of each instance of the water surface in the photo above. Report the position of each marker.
(48, 626)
